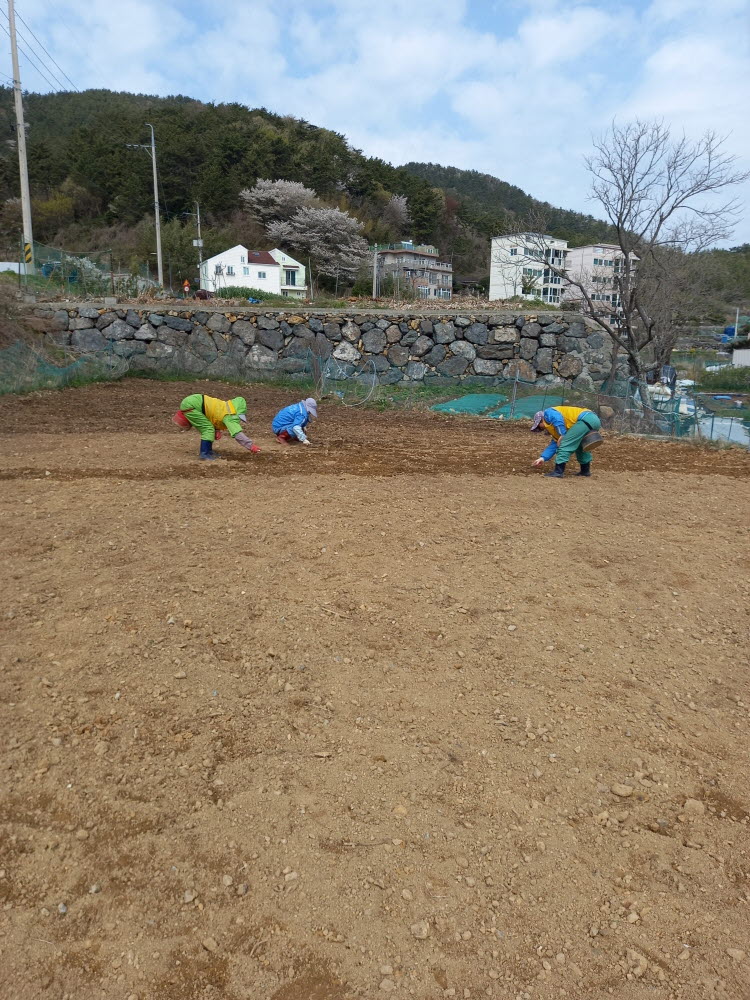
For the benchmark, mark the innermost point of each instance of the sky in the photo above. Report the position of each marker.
(508, 88)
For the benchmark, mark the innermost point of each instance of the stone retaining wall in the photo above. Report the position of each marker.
(545, 348)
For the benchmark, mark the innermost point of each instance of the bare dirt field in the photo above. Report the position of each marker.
(389, 716)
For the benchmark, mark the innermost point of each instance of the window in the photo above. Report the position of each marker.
(230, 270)
(513, 252)
(261, 274)
(290, 277)
(242, 259)
(245, 270)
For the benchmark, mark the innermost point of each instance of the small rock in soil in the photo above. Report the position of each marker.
(621, 790)
(694, 807)
(210, 944)
(420, 930)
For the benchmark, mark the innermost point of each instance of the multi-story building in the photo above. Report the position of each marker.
(524, 265)
(417, 266)
(267, 270)
(597, 267)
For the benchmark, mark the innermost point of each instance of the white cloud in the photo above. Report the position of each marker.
(505, 88)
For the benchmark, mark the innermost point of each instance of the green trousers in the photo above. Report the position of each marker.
(570, 443)
(192, 407)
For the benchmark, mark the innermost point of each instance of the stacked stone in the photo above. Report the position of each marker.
(482, 350)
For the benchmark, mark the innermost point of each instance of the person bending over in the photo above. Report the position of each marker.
(210, 417)
(567, 426)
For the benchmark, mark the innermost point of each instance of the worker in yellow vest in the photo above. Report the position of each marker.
(211, 416)
(567, 426)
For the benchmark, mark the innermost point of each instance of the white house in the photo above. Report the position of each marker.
(268, 271)
(517, 267)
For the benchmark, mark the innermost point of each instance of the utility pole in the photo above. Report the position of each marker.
(200, 241)
(199, 244)
(151, 150)
(375, 275)
(157, 220)
(28, 238)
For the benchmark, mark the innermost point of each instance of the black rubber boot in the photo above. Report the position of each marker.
(558, 472)
(585, 469)
(207, 451)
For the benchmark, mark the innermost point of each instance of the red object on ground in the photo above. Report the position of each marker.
(180, 419)
(285, 437)
(254, 449)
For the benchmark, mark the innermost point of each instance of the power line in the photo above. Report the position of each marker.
(45, 50)
(34, 57)
(33, 62)
(60, 19)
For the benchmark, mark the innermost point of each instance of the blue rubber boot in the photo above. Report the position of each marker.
(207, 451)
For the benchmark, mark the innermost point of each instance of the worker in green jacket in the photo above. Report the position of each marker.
(211, 416)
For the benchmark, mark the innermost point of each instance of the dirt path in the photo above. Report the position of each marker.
(375, 717)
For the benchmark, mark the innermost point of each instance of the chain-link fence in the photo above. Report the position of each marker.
(85, 274)
(622, 409)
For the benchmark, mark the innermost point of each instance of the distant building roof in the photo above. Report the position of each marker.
(253, 256)
(404, 245)
(261, 257)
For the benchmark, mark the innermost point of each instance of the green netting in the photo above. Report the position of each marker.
(474, 403)
(24, 368)
(525, 407)
(90, 273)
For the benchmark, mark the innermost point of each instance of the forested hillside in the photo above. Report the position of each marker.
(486, 203)
(91, 191)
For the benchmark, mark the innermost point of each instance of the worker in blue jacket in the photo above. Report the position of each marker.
(289, 424)
(567, 426)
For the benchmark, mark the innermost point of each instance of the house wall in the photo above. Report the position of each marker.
(506, 268)
(435, 282)
(234, 259)
(598, 279)
(741, 358)
(299, 290)
(483, 349)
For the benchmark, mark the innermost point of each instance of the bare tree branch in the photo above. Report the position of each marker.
(659, 194)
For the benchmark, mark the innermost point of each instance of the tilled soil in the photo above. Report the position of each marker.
(391, 715)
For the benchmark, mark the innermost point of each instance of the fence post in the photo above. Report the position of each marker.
(515, 392)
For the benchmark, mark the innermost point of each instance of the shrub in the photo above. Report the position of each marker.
(238, 292)
(726, 380)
